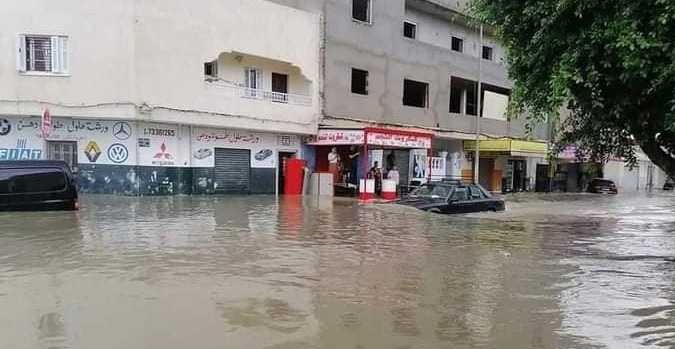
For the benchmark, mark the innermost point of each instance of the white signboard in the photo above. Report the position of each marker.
(98, 141)
(160, 145)
(419, 163)
(263, 146)
(399, 140)
(338, 137)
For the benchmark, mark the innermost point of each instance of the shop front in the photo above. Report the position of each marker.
(376, 153)
(508, 165)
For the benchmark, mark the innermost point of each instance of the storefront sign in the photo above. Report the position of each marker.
(338, 137)
(399, 140)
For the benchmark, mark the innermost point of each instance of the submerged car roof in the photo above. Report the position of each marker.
(33, 163)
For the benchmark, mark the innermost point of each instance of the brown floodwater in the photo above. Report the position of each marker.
(554, 271)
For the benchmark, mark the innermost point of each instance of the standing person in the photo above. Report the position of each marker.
(333, 165)
(376, 174)
(394, 175)
(354, 155)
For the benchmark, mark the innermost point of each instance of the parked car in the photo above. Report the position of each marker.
(602, 186)
(452, 197)
(669, 185)
(37, 185)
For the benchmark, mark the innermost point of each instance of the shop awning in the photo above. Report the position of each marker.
(507, 146)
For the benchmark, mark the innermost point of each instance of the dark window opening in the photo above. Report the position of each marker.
(361, 10)
(211, 69)
(487, 53)
(409, 30)
(415, 93)
(31, 180)
(359, 81)
(279, 88)
(457, 44)
(463, 96)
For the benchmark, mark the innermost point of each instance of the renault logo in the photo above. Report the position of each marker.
(122, 130)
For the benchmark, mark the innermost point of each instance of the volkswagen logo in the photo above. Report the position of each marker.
(122, 130)
(118, 153)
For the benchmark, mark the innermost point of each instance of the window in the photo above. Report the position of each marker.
(457, 44)
(361, 10)
(279, 88)
(415, 93)
(253, 81)
(31, 180)
(211, 69)
(487, 53)
(409, 29)
(463, 96)
(359, 81)
(460, 194)
(42, 53)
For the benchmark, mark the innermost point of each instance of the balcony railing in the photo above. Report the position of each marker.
(236, 91)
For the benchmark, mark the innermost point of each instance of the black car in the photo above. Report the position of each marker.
(602, 186)
(37, 185)
(670, 183)
(450, 198)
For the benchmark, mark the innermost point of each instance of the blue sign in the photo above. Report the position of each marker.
(118, 153)
(21, 152)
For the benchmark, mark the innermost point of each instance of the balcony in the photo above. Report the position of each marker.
(233, 90)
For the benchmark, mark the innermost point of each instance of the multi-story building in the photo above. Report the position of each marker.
(401, 77)
(160, 97)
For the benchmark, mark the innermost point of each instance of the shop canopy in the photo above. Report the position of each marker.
(507, 146)
(394, 138)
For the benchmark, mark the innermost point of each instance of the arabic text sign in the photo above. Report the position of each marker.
(399, 140)
(339, 137)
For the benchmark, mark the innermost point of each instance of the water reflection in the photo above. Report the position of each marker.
(262, 272)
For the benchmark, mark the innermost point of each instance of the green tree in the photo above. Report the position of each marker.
(608, 65)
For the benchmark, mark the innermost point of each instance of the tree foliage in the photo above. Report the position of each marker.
(608, 65)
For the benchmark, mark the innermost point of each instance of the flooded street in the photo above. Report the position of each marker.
(553, 271)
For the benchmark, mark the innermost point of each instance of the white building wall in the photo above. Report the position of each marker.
(124, 54)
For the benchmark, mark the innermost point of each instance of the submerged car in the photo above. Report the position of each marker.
(670, 183)
(451, 198)
(37, 185)
(602, 186)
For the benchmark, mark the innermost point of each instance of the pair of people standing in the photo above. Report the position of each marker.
(335, 165)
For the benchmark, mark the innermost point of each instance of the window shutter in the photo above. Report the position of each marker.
(259, 79)
(247, 77)
(56, 60)
(21, 53)
(63, 53)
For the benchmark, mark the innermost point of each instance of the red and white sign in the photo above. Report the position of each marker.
(399, 140)
(338, 137)
(46, 127)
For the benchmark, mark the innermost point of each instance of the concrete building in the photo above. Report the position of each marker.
(404, 66)
(160, 97)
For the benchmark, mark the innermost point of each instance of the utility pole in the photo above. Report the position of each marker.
(476, 157)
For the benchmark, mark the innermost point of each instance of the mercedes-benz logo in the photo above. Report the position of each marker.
(122, 130)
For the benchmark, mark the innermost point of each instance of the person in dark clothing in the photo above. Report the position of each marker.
(376, 174)
(354, 156)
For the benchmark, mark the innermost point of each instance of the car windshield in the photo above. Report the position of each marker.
(433, 191)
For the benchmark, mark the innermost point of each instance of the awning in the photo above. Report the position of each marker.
(507, 146)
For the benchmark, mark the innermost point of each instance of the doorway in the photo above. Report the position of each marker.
(283, 156)
(63, 151)
(232, 171)
(279, 88)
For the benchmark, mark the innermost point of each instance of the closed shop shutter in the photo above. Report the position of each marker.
(232, 171)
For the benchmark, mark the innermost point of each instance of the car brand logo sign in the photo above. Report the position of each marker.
(5, 127)
(118, 153)
(92, 151)
(122, 130)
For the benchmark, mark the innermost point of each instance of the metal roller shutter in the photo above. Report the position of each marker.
(233, 171)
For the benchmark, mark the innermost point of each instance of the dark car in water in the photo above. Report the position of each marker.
(602, 186)
(669, 185)
(451, 198)
(37, 185)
